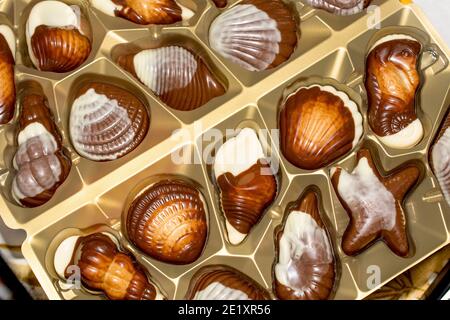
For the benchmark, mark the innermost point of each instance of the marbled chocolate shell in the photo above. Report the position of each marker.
(144, 11)
(107, 122)
(255, 34)
(247, 185)
(340, 7)
(440, 158)
(104, 268)
(7, 80)
(220, 282)
(57, 37)
(392, 81)
(179, 77)
(168, 221)
(305, 268)
(41, 163)
(318, 124)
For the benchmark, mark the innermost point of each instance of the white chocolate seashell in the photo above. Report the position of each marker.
(441, 163)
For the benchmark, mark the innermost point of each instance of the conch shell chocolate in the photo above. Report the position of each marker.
(305, 267)
(374, 204)
(144, 11)
(107, 122)
(58, 36)
(221, 282)
(180, 78)
(104, 268)
(440, 158)
(168, 221)
(41, 161)
(340, 7)
(318, 125)
(247, 185)
(255, 34)
(7, 79)
(392, 82)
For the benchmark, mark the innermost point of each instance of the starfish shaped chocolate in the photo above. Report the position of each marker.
(374, 204)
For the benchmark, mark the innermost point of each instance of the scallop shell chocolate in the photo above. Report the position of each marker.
(58, 36)
(392, 82)
(103, 268)
(340, 7)
(144, 11)
(255, 34)
(7, 79)
(220, 282)
(440, 158)
(168, 222)
(180, 78)
(318, 125)
(41, 161)
(107, 122)
(246, 183)
(305, 267)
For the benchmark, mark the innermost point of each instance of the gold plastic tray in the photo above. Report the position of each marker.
(93, 196)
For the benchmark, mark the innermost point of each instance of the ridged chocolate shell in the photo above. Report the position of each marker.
(149, 11)
(305, 268)
(392, 81)
(318, 125)
(168, 221)
(41, 163)
(180, 78)
(255, 34)
(440, 158)
(340, 7)
(59, 49)
(104, 268)
(7, 80)
(107, 122)
(220, 282)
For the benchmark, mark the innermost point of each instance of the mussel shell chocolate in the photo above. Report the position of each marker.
(168, 221)
(7, 78)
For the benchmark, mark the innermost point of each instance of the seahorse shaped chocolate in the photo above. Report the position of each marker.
(7, 87)
(40, 160)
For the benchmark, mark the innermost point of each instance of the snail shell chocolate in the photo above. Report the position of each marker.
(305, 268)
(220, 3)
(340, 7)
(168, 221)
(374, 204)
(104, 268)
(255, 34)
(392, 82)
(246, 182)
(41, 163)
(107, 122)
(7, 80)
(220, 282)
(440, 158)
(57, 36)
(144, 11)
(179, 77)
(318, 125)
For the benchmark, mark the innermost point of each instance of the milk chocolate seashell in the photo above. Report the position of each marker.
(374, 204)
(57, 37)
(144, 11)
(41, 161)
(104, 268)
(247, 185)
(305, 267)
(340, 7)
(179, 77)
(255, 34)
(318, 124)
(7, 80)
(392, 82)
(107, 122)
(220, 282)
(440, 158)
(168, 221)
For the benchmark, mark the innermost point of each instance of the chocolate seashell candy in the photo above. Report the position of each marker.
(7, 78)
(340, 7)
